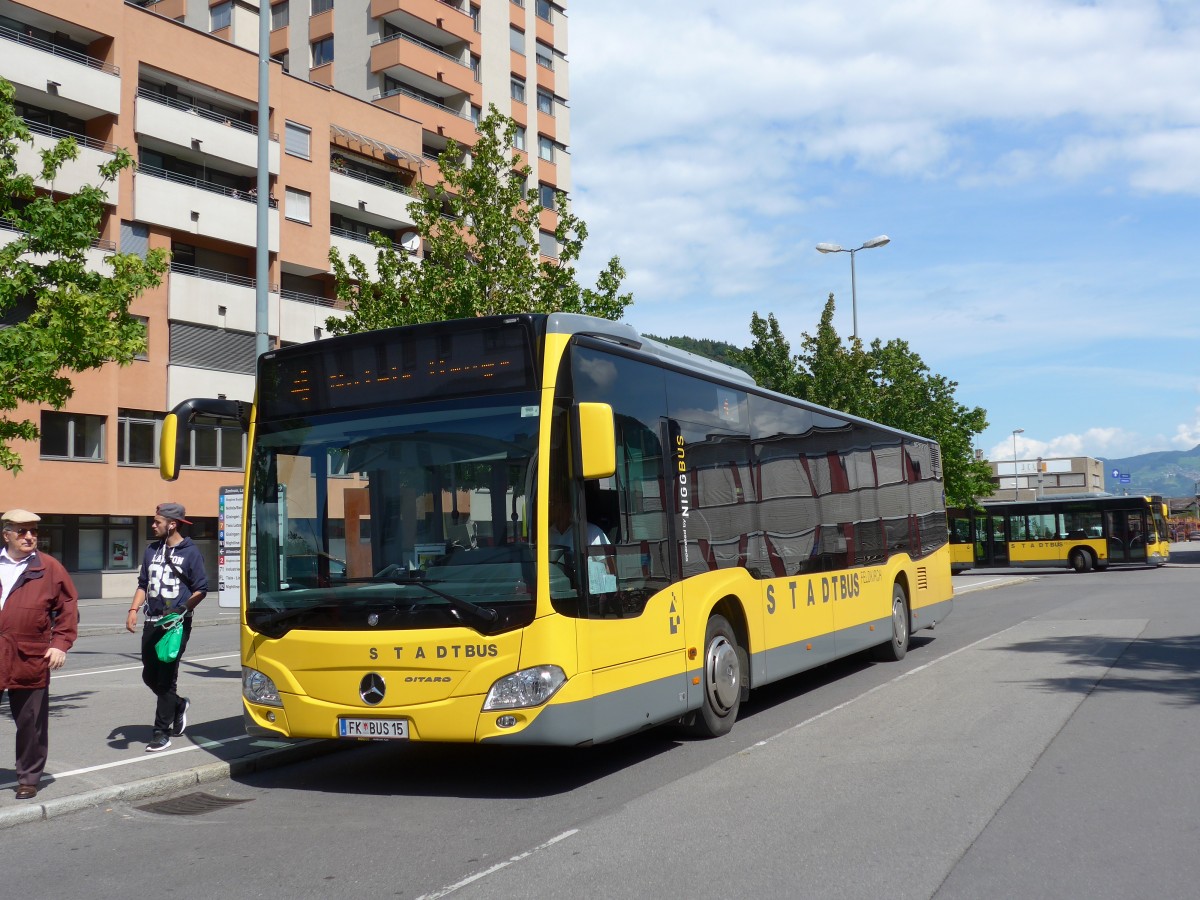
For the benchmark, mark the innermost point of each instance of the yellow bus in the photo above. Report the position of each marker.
(546, 529)
(1081, 532)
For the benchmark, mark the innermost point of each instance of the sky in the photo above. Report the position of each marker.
(1036, 164)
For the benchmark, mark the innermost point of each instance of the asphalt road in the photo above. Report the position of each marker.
(1040, 743)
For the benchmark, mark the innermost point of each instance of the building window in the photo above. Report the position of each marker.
(214, 445)
(297, 140)
(322, 52)
(547, 245)
(516, 40)
(475, 68)
(72, 436)
(545, 148)
(320, 6)
(283, 59)
(137, 437)
(220, 16)
(518, 89)
(135, 238)
(542, 9)
(546, 196)
(544, 56)
(476, 115)
(545, 103)
(145, 323)
(279, 15)
(519, 138)
(475, 16)
(297, 205)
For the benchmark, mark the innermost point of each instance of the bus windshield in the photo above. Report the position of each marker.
(394, 519)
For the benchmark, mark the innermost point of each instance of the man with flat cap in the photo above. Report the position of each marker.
(39, 621)
(171, 580)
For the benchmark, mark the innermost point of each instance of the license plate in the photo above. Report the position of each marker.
(379, 729)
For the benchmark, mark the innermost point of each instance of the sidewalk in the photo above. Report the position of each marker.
(100, 721)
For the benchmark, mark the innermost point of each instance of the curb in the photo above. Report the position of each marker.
(169, 783)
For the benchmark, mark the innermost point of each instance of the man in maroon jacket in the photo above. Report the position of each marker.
(39, 620)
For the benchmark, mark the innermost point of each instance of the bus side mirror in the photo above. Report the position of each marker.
(173, 442)
(170, 450)
(597, 441)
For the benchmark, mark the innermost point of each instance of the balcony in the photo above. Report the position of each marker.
(451, 18)
(350, 243)
(199, 207)
(201, 131)
(301, 320)
(403, 52)
(81, 85)
(74, 174)
(209, 297)
(94, 255)
(370, 199)
(435, 117)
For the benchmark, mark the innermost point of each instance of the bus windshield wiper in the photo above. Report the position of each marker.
(270, 620)
(399, 575)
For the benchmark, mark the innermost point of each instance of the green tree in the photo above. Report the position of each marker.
(480, 234)
(886, 383)
(58, 316)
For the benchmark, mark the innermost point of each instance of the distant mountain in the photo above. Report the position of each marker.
(1172, 473)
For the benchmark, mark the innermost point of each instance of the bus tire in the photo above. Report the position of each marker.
(897, 646)
(1081, 560)
(721, 680)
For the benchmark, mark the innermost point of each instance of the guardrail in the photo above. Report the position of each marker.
(62, 52)
(249, 196)
(211, 115)
(59, 133)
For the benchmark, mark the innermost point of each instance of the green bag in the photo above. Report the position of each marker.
(168, 646)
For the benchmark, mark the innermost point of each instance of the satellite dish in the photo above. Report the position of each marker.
(410, 241)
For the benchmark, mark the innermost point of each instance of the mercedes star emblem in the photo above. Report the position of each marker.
(372, 689)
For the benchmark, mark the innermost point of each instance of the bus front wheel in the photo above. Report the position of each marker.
(722, 680)
(895, 649)
(1081, 560)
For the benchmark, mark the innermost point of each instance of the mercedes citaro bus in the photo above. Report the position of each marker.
(404, 576)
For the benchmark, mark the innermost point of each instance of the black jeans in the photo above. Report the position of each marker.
(162, 677)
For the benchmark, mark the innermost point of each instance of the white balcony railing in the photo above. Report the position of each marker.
(198, 207)
(199, 130)
(45, 69)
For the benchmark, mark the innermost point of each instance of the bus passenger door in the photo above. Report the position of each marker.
(1126, 535)
(991, 548)
(631, 629)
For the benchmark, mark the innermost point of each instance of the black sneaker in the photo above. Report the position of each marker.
(161, 742)
(180, 716)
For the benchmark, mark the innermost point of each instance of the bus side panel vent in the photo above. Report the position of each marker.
(922, 578)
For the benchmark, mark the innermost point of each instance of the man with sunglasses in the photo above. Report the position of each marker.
(39, 621)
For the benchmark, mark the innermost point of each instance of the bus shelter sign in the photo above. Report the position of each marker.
(229, 549)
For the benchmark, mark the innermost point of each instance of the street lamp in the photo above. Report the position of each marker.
(837, 248)
(1016, 489)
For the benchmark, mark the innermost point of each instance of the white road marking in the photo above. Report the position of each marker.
(138, 667)
(470, 879)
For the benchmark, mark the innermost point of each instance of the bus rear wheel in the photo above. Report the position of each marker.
(895, 649)
(722, 680)
(1081, 560)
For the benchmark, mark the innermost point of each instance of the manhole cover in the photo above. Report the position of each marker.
(195, 804)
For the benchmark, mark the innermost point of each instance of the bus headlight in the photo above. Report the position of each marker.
(258, 688)
(529, 687)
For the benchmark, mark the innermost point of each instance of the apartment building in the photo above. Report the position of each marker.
(363, 97)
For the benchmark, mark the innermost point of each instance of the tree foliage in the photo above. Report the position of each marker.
(720, 351)
(480, 233)
(58, 316)
(886, 383)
